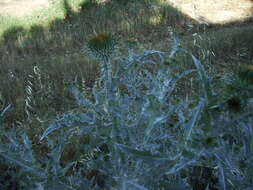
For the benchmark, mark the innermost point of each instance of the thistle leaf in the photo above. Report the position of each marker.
(144, 155)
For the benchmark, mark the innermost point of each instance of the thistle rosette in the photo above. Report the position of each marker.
(102, 46)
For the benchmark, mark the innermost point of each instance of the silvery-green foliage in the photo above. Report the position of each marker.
(133, 122)
(151, 138)
(235, 155)
(19, 155)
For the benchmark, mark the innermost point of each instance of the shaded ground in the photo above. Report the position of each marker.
(215, 11)
(21, 7)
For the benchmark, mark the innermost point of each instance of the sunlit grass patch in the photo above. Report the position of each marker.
(41, 17)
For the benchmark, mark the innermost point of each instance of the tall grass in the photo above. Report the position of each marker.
(58, 37)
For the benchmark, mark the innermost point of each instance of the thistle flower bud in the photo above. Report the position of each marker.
(102, 46)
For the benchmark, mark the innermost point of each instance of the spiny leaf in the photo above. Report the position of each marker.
(196, 115)
(145, 155)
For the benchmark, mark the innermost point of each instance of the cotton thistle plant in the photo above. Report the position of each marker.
(102, 46)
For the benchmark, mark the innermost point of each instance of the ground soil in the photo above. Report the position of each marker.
(216, 11)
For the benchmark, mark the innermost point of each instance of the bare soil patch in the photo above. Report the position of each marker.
(215, 11)
(20, 8)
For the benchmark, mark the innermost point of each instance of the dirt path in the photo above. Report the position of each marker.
(211, 11)
(215, 11)
(20, 8)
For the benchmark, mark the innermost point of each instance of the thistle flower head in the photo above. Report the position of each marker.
(102, 46)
